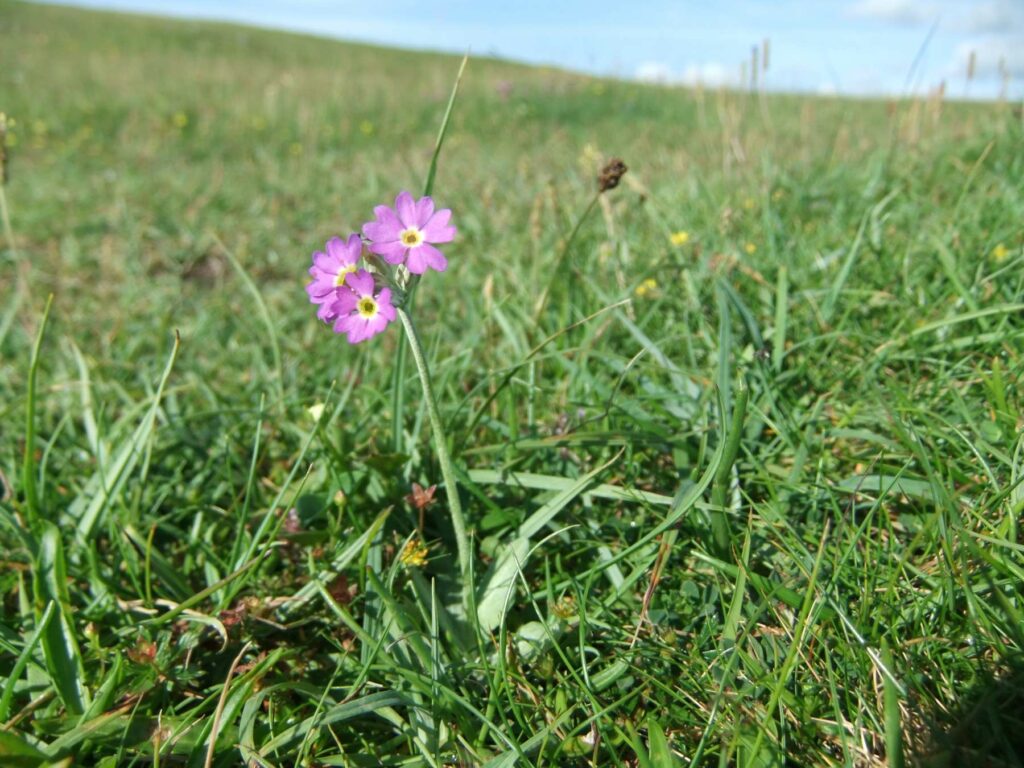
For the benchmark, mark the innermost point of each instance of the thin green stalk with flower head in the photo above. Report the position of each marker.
(441, 446)
(398, 379)
(398, 246)
(609, 178)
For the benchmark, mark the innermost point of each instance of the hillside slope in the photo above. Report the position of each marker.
(855, 267)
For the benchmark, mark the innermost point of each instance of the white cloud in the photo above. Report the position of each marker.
(996, 16)
(992, 55)
(906, 12)
(711, 74)
(653, 72)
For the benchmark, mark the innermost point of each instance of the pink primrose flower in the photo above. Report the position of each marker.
(330, 271)
(360, 313)
(406, 233)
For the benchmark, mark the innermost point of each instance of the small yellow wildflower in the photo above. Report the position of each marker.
(1000, 252)
(565, 608)
(682, 237)
(414, 554)
(748, 203)
(366, 128)
(750, 248)
(180, 119)
(295, 149)
(647, 288)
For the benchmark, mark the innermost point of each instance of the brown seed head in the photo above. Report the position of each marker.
(611, 175)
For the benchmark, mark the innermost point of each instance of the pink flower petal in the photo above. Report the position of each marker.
(354, 248)
(344, 323)
(344, 302)
(375, 325)
(434, 258)
(437, 229)
(384, 305)
(406, 209)
(359, 330)
(337, 251)
(424, 210)
(319, 289)
(361, 283)
(386, 227)
(393, 252)
(326, 312)
(425, 256)
(323, 262)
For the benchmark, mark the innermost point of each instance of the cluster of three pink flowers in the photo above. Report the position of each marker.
(357, 302)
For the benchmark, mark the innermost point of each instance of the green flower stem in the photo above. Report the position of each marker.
(441, 446)
(398, 389)
(398, 382)
(720, 534)
(556, 273)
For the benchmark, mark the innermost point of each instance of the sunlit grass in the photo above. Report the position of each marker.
(247, 577)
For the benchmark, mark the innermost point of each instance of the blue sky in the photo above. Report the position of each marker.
(855, 47)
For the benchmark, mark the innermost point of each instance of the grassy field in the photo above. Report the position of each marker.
(758, 454)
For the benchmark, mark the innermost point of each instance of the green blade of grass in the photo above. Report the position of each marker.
(15, 752)
(428, 185)
(23, 659)
(268, 322)
(348, 710)
(398, 371)
(781, 318)
(835, 291)
(893, 728)
(337, 564)
(28, 470)
(59, 642)
(554, 483)
(660, 754)
(720, 529)
(107, 483)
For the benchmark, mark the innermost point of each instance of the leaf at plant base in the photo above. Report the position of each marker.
(660, 754)
(16, 753)
(533, 639)
(499, 583)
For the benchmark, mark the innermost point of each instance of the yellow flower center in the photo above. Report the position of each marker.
(339, 279)
(411, 237)
(367, 307)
